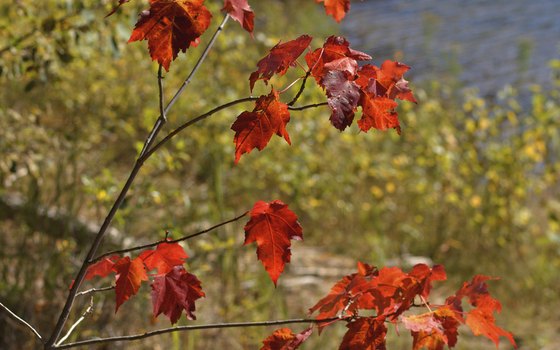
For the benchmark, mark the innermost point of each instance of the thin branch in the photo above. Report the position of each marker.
(314, 105)
(289, 86)
(192, 328)
(118, 202)
(161, 95)
(301, 88)
(83, 317)
(20, 320)
(93, 249)
(193, 121)
(161, 120)
(149, 245)
(213, 111)
(95, 290)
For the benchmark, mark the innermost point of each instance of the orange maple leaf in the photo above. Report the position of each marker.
(171, 26)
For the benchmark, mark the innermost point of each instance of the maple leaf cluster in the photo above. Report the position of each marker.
(172, 26)
(173, 288)
(271, 226)
(389, 292)
(347, 85)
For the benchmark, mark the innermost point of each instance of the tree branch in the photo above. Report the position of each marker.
(21, 321)
(139, 162)
(195, 120)
(184, 238)
(192, 328)
(213, 111)
(161, 120)
(301, 88)
(95, 290)
(314, 105)
(83, 317)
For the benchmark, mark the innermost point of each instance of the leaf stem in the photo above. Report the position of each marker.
(149, 245)
(314, 105)
(21, 321)
(95, 290)
(192, 328)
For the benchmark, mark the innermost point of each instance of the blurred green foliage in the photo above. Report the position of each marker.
(471, 183)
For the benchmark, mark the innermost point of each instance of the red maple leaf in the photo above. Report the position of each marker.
(271, 226)
(378, 113)
(240, 11)
(255, 129)
(174, 292)
(343, 97)
(130, 274)
(335, 54)
(432, 330)
(480, 319)
(365, 333)
(164, 257)
(348, 295)
(387, 81)
(280, 58)
(336, 8)
(102, 268)
(482, 322)
(285, 339)
(170, 27)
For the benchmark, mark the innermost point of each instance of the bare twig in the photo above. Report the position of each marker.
(161, 95)
(213, 111)
(192, 328)
(20, 320)
(196, 120)
(95, 290)
(149, 245)
(301, 88)
(83, 317)
(314, 105)
(134, 172)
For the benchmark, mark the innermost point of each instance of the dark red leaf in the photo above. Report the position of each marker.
(170, 27)
(280, 58)
(272, 226)
(174, 292)
(255, 129)
(332, 57)
(343, 97)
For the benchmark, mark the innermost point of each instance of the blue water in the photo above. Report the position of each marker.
(483, 44)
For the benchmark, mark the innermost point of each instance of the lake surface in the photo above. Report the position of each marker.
(485, 44)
